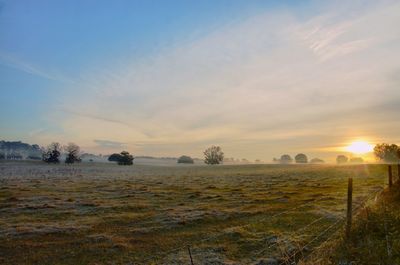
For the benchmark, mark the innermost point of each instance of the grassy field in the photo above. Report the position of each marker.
(109, 214)
(374, 237)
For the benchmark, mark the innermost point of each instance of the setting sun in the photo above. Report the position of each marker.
(360, 147)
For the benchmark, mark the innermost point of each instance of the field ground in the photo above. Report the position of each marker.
(374, 239)
(109, 214)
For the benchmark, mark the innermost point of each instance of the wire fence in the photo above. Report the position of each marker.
(334, 228)
(303, 250)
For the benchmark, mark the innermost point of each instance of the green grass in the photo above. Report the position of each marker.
(374, 239)
(109, 214)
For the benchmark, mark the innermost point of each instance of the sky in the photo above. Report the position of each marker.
(166, 78)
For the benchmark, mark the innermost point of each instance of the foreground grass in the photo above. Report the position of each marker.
(108, 214)
(375, 238)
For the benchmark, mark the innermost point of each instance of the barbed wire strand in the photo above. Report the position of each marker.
(164, 254)
(356, 211)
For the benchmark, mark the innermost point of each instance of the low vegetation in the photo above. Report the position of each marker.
(374, 238)
(93, 213)
(124, 158)
(301, 158)
(185, 160)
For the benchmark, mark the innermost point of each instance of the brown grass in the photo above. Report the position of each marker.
(109, 214)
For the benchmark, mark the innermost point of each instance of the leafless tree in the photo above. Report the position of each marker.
(213, 155)
(73, 152)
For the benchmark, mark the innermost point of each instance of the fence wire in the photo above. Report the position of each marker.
(336, 226)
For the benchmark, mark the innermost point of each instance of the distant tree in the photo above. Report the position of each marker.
(52, 153)
(213, 155)
(73, 151)
(316, 161)
(301, 158)
(387, 152)
(356, 160)
(185, 160)
(286, 159)
(125, 159)
(114, 157)
(340, 159)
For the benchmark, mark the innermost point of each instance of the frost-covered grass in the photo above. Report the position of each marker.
(374, 239)
(107, 214)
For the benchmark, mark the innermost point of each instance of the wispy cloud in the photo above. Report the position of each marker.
(12, 60)
(93, 116)
(270, 79)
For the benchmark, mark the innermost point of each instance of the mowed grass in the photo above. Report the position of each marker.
(109, 214)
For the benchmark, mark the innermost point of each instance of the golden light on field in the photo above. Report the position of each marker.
(360, 147)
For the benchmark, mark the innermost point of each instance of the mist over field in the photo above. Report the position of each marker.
(213, 132)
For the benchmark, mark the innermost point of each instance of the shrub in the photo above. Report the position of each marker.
(317, 161)
(114, 157)
(185, 160)
(285, 159)
(301, 158)
(124, 158)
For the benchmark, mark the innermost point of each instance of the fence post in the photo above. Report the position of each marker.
(190, 255)
(349, 207)
(398, 173)
(390, 176)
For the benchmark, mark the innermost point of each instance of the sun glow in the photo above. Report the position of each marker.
(360, 147)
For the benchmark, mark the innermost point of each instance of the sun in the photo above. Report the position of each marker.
(360, 147)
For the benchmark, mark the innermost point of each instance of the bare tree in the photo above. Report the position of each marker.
(213, 155)
(51, 154)
(73, 152)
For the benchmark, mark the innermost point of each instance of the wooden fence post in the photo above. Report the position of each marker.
(390, 176)
(349, 207)
(398, 173)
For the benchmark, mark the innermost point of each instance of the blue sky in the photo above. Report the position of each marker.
(259, 78)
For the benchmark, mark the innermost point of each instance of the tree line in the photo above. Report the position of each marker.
(52, 153)
(299, 159)
(388, 153)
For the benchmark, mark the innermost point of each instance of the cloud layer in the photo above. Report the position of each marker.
(271, 84)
